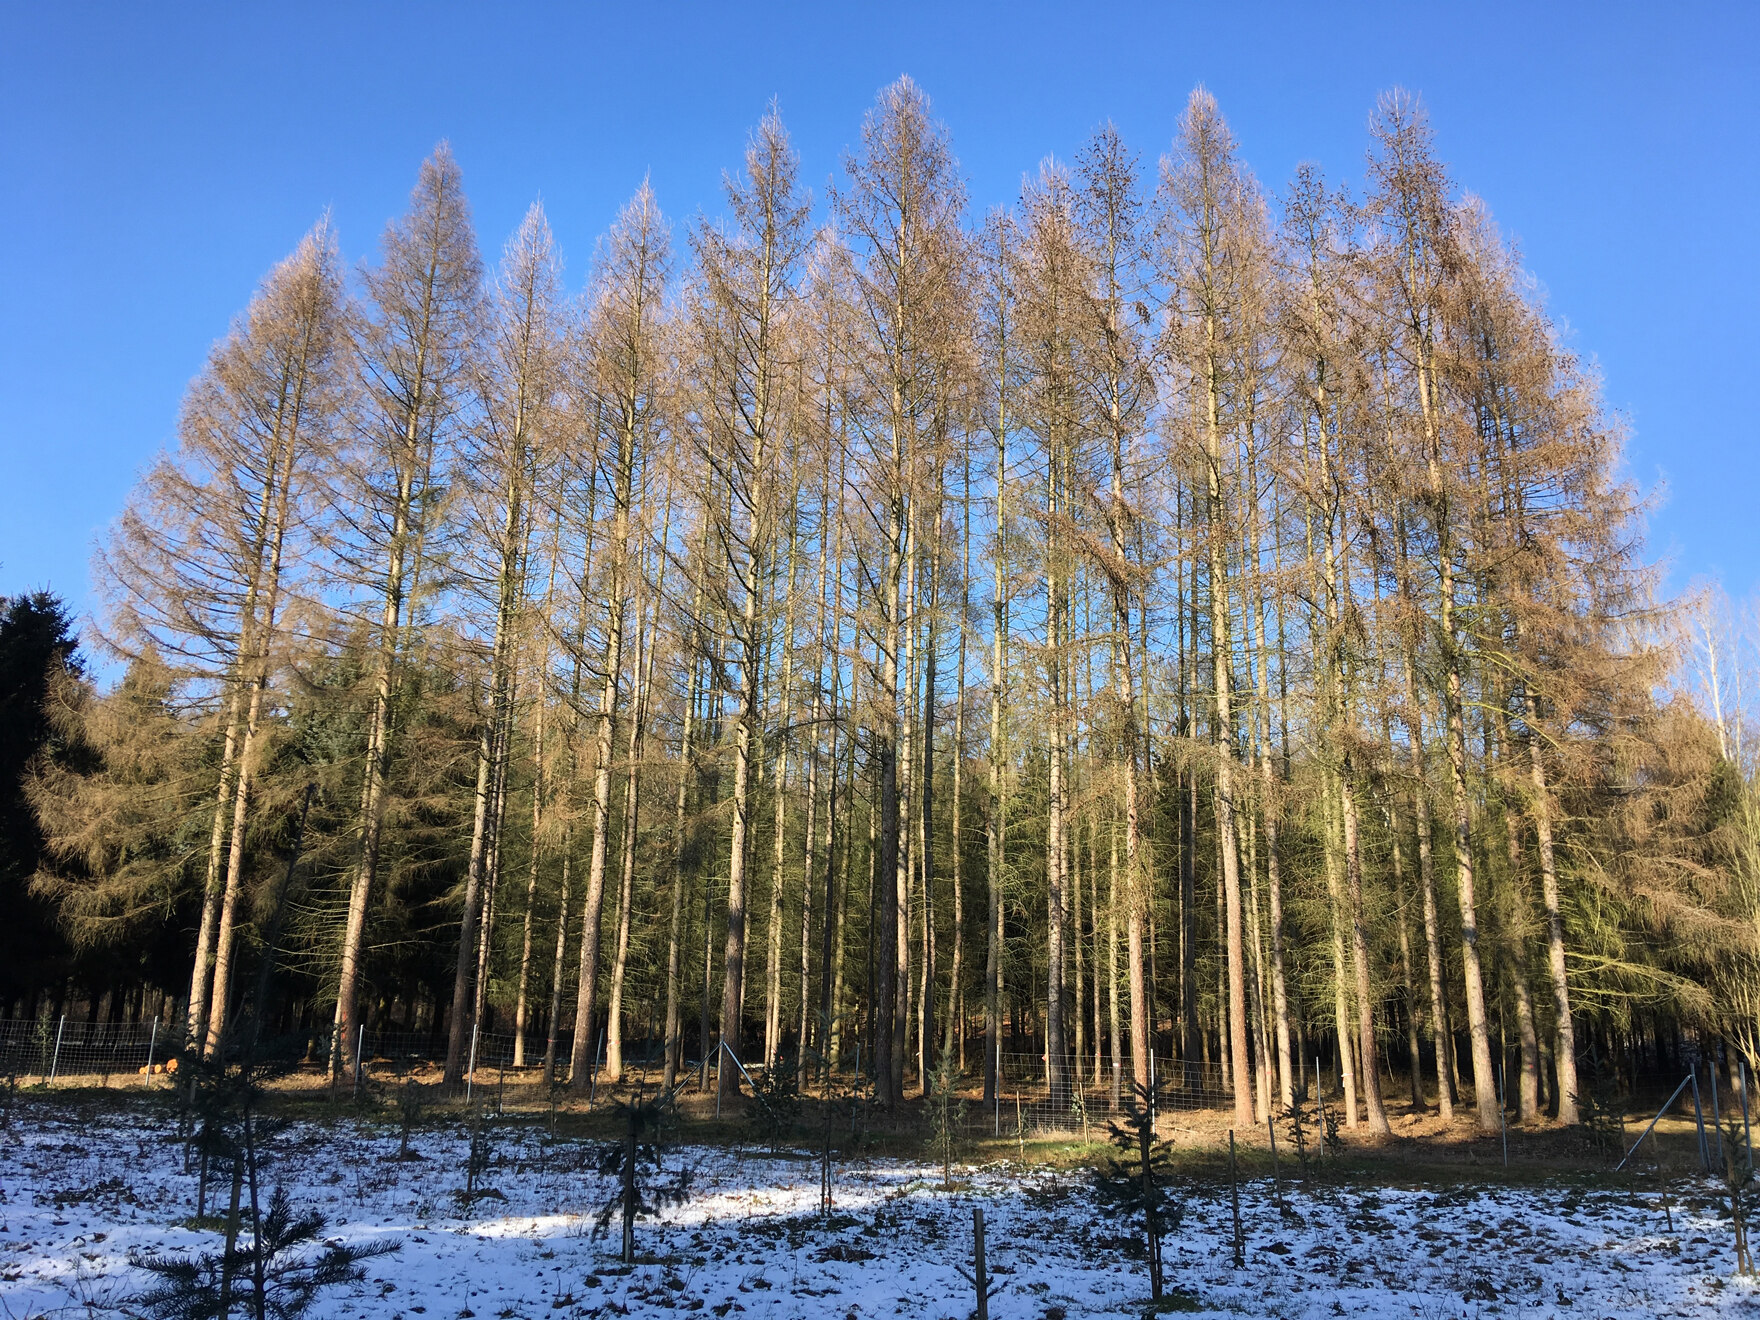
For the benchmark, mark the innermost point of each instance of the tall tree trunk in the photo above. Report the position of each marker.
(996, 818)
(779, 822)
(955, 1042)
(1414, 719)
(888, 1055)
(224, 931)
(1256, 987)
(644, 675)
(1407, 984)
(1272, 810)
(420, 296)
(1056, 898)
(497, 817)
(525, 953)
(1341, 1012)
(1478, 1024)
(1079, 971)
(1528, 1084)
(809, 844)
(1366, 1048)
(1188, 814)
(705, 1004)
(681, 851)
(585, 1047)
(558, 959)
(257, 633)
(1455, 737)
(458, 1032)
(1221, 653)
(833, 1053)
(202, 975)
(926, 815)
(521, 379)
(1540, 811)
(803, 1024)
(745, 737)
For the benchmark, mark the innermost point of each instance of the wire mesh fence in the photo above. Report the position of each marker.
(1030, 1102)
(66, 1052)
(56, 1051)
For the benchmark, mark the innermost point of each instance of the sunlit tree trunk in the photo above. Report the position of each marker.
(421, 297)
(258, 418)
(517, 398)
(623, 372)
(779, 802)
(741, 306)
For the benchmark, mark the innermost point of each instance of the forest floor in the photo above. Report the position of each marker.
(87, 1183)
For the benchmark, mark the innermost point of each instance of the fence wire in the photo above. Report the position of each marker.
(55, 1051)
(1028, 1103)
(60, 1052)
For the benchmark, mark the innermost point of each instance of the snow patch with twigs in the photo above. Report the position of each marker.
(83, 1189)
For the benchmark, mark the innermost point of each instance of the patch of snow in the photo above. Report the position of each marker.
(80, 1191)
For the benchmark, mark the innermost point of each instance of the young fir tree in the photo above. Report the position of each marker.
(1136, 1182)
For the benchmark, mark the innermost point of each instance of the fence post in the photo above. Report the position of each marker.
(152, 1045)
(1747, 1131)
(593, 1086)
(1502, 1114)
(980, 1275)
(55, 1064)
(360, 1041)
(470, 1077)
(1651, 1127)
(855, 1100)
(1699, 1121)
(1716, 1111)
(1276, 1173)
(995, 1039)
(1234, 1194)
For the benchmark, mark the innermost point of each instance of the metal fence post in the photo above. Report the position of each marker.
(152, 1045)
(995, 1047)
(1502, 1114)
(360, 1041)
(593, 1086)
(55, 1065)
(1653, 1122)
(1699, 1120)
(1747, 1129)
(470, 1077)
(1716, 1110)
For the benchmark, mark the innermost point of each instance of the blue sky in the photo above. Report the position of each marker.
(155, 160)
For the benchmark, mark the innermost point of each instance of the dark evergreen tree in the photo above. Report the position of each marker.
(37, 644)
(1133, 1181)
(273, 1274)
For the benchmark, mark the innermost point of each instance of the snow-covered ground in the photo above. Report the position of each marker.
(80, 1190)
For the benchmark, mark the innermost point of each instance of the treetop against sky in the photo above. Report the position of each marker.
(156, 164)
